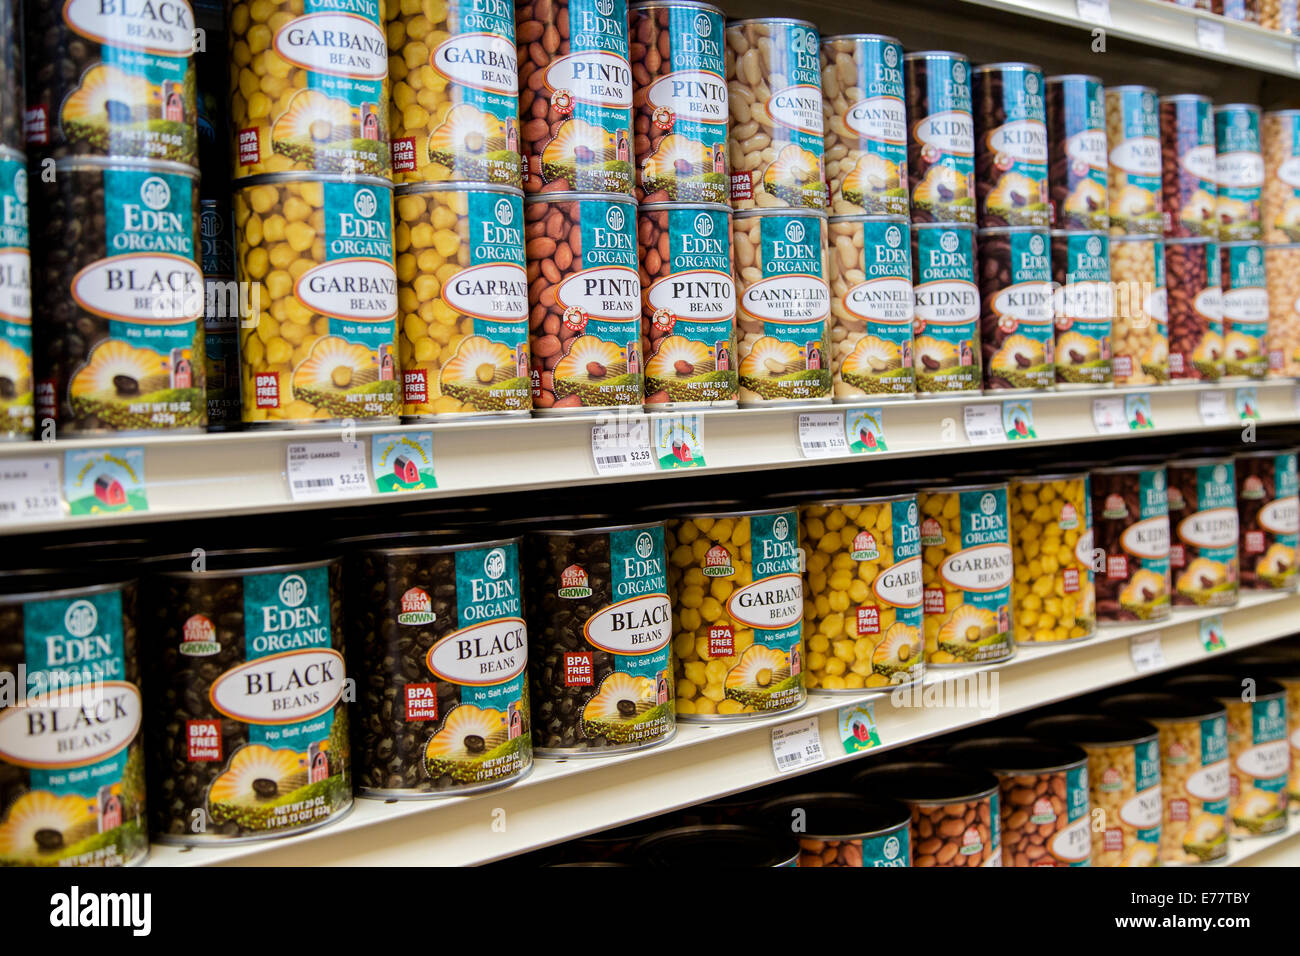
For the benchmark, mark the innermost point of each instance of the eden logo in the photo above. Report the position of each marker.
(989, 503)
(505, 212)
(959, 72)
(605, 7)
(1093, 246)
(702, 26)
(80, 618)
(704, 224)
(794, 231)
(645, 545)
(948, 242)
(891, 57)
(1036, 242)
(20, 187)
(614, 216)
(494, 565)
(780, 528)
(893, 237)
(155, 193)
(365, 203)
(1031, 83)
(293, 591)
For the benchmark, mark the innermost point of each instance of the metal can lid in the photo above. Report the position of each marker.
(1092, 729)
(435, 541)
(1232, 107)
(238, 562)
(685, 4)
(669, 206)
(1163, 706)
(407, 189)
(1072, 78)
(835, 815)
(1223, 686)
(936, 55)
(1017, 755)
(953, 489)
(1009, 65)
(1144, 237)
(715, 845)
(1012, 230)
(880, 37)
(871, 217)
(790, 20)
(1131, 87)
(1185, 98)
(17, 156)
(162, 167)
(578, 197)
(779, 211)
(1066, 233)
(943, 225)
(295, 176)
(1189, 241)
(836, 501)
(926, 782)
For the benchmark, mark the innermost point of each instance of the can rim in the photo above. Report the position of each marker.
(1132, 86)
(1248, 107)
(297, 176)
(841, 798)
(1050, 476)
(1122, 739)
(932, 767)
(407, 189)
(1004, 230)
(866, 499)
(1185, 97)
(863, 36)
(567, 196)
(1268, 452)
(1105, 234)
(244, 569)
(1148, 702)
(1225, 459)
(358, 545)
(701, 206)
(978, 486)
(18, 156)
(782, 211)
(758, 512)
(936, 54)
(76, 163)
(1005, 65)
(596, 529)
(1141, 237)
(1125, 469)
(1062, 77)
(943, 225)
(97, 585)
(870, 217)
(1188, 240)
(803, 23)
(692, 4)
(957, 751)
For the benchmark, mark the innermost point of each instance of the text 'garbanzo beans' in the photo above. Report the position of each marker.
(1051, 542)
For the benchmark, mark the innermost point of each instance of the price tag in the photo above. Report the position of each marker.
(678, 441)
(858, 730)
(1210, 36)
(29, 490)
(1214, 408)
(1094, 11)
(402, 461)
(1018, 420)
(1108, 416)
(325, 470)
(1147, 653)
(1248, 404)
(104, 481)
(797, 745)
(1212, 636)
(823, 434)
(984, 424)
(1137, 412)
(622, 447)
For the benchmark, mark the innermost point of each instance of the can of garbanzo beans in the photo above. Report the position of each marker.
(737, 598)
(862, 597)
(967, 573)
(1051, 544)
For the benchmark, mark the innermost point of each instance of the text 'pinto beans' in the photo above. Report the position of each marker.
(1245, 309)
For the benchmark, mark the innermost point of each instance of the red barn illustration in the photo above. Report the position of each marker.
(723, 362)
(622, 148)
(515, 721)
(387, 367)
(318, 765)
(405, 470)
(182, 370)
(719, 158)
(369, 121)
(512, 136)
(110, 491)
(814, 358)
(173, 102)
(110, 809)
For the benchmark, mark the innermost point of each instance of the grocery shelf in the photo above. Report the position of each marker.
(193, 476)
(1279, 849)
(563, 799)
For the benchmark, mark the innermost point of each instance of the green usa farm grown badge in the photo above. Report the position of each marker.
(678, 441)
(865, 430)
(101, 481)
(402, 462)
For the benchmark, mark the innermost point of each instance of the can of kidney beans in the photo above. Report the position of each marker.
(1239, 171)
(584, 296)
(947, 308)
(678, 53)
(1083, 304)
(842, 829)
(119, 299)
(1077, 176)
(1245, 309)
(1010, 145)
(17, 411)
(1203, 515)
(1133, 134)
(1189, 189)
(1017, 333)
(1269, 514)
(688, 305)
(1130, 524)
(72, 778)
(1194, 296)
(438, 646)
(600, 677)
(248, 728)
(941, 144)
(220, 314)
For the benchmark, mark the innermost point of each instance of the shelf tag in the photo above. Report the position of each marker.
(102, 481)
(1018, 420)
(858, 730)
(984, 424)
(1210, 36)
(402, 461)
(1214, 408)
(1108, 416)
(864, 430)
(678, 442)
(797, 745)
(1147, 653)
(622, 447)
(1137, 412)
(823, 434)
(1094, 11)
(326, 470)
(1212, 636)
(29, 490)
(1248, 404)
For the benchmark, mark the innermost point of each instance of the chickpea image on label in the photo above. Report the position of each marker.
(1051, 541)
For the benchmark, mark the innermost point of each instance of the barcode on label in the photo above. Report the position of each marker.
(8, 506)
(816, 444)
(784, 759)
(314, 483)
(611, 460)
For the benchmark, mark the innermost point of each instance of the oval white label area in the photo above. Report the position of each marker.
(1088, 147)
(1209, 303)
(1022, 140)
(1139, 156)
(1143, 810)
(1156, 305)
(1089, 301)
(1148, 538)
(281, 688)
(16, 286)
(639, 625)
(1074, 843)
(608, 292)
(1029, 302)
(947, 302)
(166, 30)
(71, 728)
(1083, 548)
(1281, 516)
(592, 77)
(361, 289)
(983, 568)
(879, 118)
(900, 584)
(1210, 783)
(951, 132)
(1240, 170)
(799, 107)
(483, 654)
(881, 300)
(340, 44)
(482, 61)
(1215, 528)
(494, 291)
(1201, 162)
(146, 287)
(769, 604)
(691, 95)
(1246, 305)
(1265, 761)
(1289, 172)
(704, 295)
(796, 298)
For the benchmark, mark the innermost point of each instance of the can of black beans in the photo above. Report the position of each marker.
(72, 781)
(220, 314)
(600, 677)
(248, 727)
(1010, 145)
(16, 408)
(437, 642)
(720, 845)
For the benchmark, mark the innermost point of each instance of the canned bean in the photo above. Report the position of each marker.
(1269, 514)
(1133, 134)
(1282, 273)
(309, 87)
(1077, 166)
(783, 323)
(842, 829)
(240, 750)
(575, 95)
(72, 780)
(1280, 664)
(1054, 593)
(866, 124)
(1016, 328)
(119, 299)
(220, 314)
(1189, 187)
(1194, 299)
(737, 598)
(584, 297)
(1010, 145)
(597, 601)
(1123, 781)
(1140, 331)
(1278, 15)
(454, 81)
(1240, 171)
(1245, 309)
(777, 128)
(12, 103)
(678, 55)
(956, 819)
(1083, 303)
(967, 573)
(947, 308)
(1279, 133)
(871, 302)
(720, 845)
(318, 337)
(111, 79)
(462, 296)
(941, 146)
(1203, 514)
(1130, 515)
(17, 411)
(862, 593)
(688, 305)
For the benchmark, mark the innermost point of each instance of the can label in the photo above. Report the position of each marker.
(1269, 515)
(874, 127)
(1197, 778)
(1240, 173)
(1144, 561)
(945, 135)
(1135, 162)
(1245, 310)
(1261, 764)
(1083, 303)
(947, 310)
(888, 849)
(877, 314)
(1018, 340)
(220, 313)
(1281, 193)
(1195, 176)
(1016, 178)
(17, 411)
(1084, 175)
(1203, 508)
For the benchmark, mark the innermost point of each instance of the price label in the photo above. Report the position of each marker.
(1108, 416)
(326, 470)
(1214, 408)
(1212, 636)
(858, 730)
(622, 448)
(984, 424)
(1147, 653)
(1094, 11)
(29, 490)
(822, 434)
(797, 745)
(1137, 412)
(1018, 420)
(1248, 404)
(678, 441)
(1210, 36)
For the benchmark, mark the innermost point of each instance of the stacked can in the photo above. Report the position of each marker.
(1280, 208)
(313, 213)
(680, 99)
(863, 99)
(17, 417)
(118, 295)
(1078, 188)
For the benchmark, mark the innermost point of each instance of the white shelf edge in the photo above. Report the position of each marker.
(1277, 849)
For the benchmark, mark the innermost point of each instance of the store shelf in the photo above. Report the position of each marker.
(1280, 849)
(194, 476)
(563, 799)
